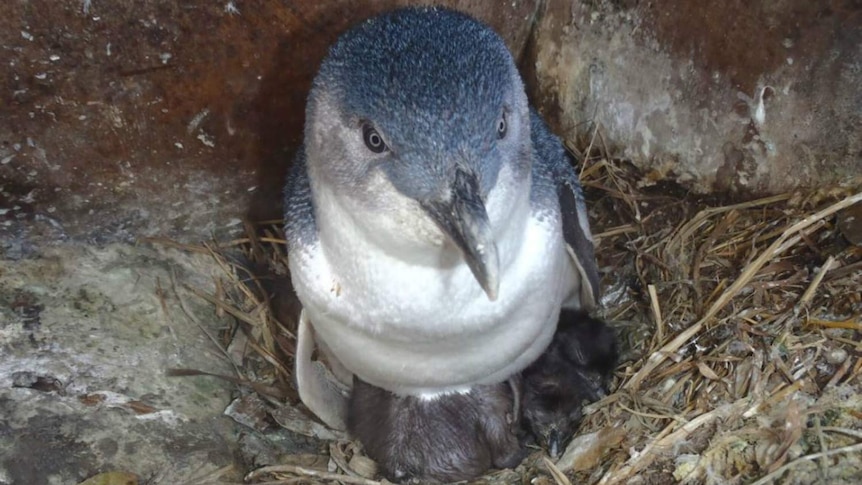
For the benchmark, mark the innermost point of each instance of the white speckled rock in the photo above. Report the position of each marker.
(84, 344)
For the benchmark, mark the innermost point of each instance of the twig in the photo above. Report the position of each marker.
(775, 397)
(559, 476)
(160, 293)
(269, 222)
(310, 472)
(839, 373)
(660, 355)
(197, 322)
(847, 431)
(616, 231)
(699, 256)
(656, 313)
(824, 463)
(814, 456)
(643, 459)
(691, 226)
(812, 288)
(666, 439)
(587, 153)
(642, 414)
(234, 312)
(340, 460)
(851, 323)
(175, 245)
(263, 389)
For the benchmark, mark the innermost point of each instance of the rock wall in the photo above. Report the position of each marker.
(754, 97)
(85, 338)
(122, 119)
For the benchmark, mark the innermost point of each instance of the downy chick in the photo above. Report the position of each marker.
(448, 438)
(575, 369)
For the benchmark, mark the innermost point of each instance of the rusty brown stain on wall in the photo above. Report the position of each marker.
(745, 39)
(157, 104)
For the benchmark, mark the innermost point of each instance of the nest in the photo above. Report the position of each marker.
(739, 324)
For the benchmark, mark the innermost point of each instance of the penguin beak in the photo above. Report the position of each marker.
(555, 443)
(461, 215)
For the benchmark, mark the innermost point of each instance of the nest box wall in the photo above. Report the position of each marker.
(122, 119)
(750, 97)
(172, 118)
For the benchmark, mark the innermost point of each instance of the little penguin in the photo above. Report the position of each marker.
(435, 225)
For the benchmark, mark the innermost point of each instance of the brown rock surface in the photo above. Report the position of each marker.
(164, 117)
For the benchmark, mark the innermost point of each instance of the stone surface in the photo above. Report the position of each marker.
(86, 336)
(179, 118)
(163, 117)
(752, 97)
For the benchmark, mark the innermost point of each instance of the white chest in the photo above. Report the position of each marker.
(422, 324)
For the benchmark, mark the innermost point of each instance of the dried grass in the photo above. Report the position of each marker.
(739, 322)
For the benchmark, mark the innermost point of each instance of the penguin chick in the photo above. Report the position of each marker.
(447, 438)
(575, 369)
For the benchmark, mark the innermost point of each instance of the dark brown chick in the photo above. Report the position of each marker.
(574, 370)
(446, 439)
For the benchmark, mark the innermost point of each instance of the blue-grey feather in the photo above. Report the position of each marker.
(300, 227)
(556, 188)
(396, 72)
(400, 71)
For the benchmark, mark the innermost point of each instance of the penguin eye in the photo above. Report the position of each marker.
(372, 139)
(501, 126)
